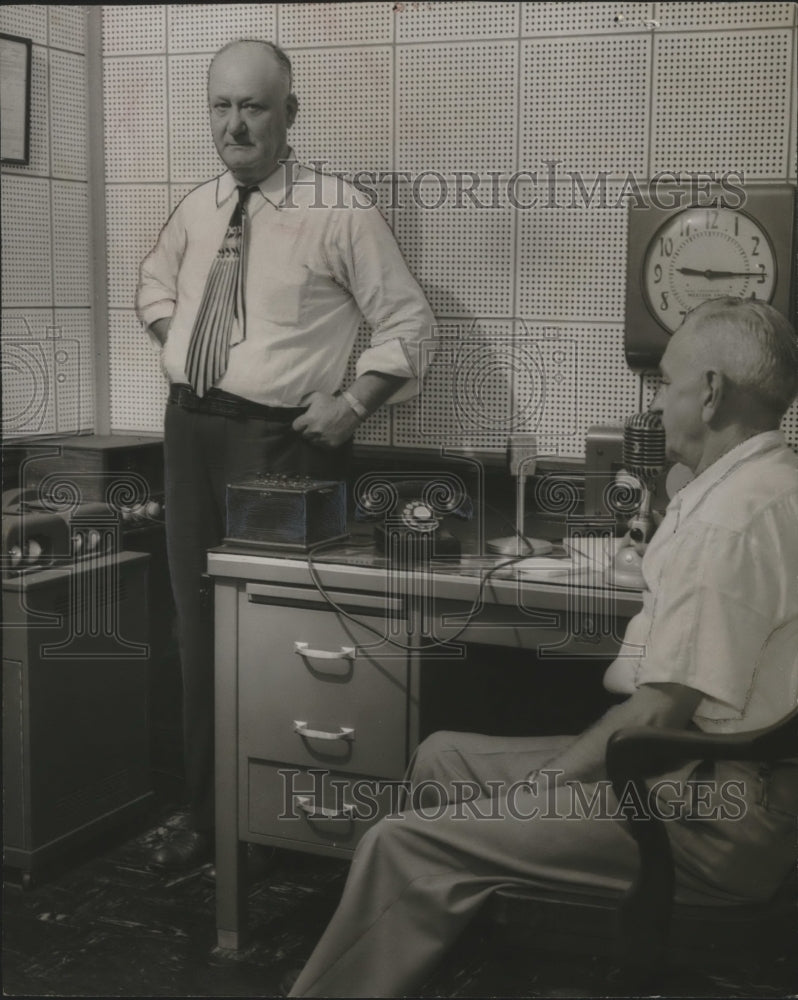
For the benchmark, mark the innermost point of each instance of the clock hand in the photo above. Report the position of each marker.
(720, 274)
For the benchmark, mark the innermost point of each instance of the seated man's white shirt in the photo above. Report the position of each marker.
(315, 266)
(720, 608)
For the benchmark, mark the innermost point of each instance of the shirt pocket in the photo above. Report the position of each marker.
(277, 293)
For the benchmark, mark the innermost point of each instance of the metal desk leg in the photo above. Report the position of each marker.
(231, 890)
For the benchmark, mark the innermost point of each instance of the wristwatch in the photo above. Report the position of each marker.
(356, 405)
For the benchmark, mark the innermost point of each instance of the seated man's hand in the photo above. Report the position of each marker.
(328, 422)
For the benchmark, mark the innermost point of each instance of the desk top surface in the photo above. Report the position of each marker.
(551, 579)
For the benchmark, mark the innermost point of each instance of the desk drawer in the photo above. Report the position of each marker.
(317, 688)
(314, 807)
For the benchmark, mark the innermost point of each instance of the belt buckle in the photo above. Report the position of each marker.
(221, 407)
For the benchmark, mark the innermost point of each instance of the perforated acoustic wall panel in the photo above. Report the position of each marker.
(514, 134)
(205, 27)
(71, 258)
(590, 121)
(719, 16)
(468, 393)
(67, 27)
(462, 256)
(138, 389)
(134, 29)
(584, 18)
(135, 214)
(790, 425)
(47, 356)
(349, 126)
(27, 222)
(330, 24)
(68, 79)
(27, 20)
(28, 396)
(569, 378)
(76, 397)
(456, 107)
(559, 225)
(135, 119)
(738, 117)
(426, 22)
(193, 157)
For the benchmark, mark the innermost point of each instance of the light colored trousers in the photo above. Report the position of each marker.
(419, 877)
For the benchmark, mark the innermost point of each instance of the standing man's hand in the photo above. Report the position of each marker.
(328, 422)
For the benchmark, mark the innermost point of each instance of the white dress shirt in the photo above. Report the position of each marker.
(720, 608)
(315, 262)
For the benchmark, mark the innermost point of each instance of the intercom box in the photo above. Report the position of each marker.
(285, 512)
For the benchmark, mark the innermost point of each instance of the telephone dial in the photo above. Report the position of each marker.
(410, 513)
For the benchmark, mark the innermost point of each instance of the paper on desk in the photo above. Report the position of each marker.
(593, 553)
(542, 567)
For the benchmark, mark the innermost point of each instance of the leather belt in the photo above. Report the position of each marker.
(218, 403)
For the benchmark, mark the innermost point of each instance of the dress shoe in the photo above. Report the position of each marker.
(185, 849)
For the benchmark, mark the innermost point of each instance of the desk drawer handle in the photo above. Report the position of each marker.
(344, 653)
(305, 803)
(344, 732)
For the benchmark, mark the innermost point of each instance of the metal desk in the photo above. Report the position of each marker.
(319, 682)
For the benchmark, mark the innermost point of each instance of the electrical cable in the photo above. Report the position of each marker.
(476, 605)
(394, 642)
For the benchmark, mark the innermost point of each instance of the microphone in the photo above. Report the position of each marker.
(644, 446)
(644, 458)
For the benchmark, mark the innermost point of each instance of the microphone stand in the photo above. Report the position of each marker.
(626, 570)
(522, 453)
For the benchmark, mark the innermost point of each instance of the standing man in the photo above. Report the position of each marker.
(255, 290)
(716, 646)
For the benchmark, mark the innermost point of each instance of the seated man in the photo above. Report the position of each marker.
(715, 646)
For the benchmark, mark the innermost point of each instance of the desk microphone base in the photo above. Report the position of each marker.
(626, 571)
(512, 545)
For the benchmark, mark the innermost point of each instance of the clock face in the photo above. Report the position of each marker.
(702, 253)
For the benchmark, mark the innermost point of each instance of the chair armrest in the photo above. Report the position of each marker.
(645, 751)
(640, 752)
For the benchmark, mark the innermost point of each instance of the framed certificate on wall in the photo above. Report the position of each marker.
(15, 70)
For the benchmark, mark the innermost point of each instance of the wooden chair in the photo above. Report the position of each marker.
(643, 928)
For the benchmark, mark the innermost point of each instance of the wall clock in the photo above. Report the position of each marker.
(680, 255)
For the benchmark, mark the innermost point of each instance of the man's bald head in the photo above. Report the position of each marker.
(269, 50)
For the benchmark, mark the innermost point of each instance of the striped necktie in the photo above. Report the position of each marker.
(222, 302)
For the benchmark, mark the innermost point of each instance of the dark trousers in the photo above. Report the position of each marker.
(203, 453)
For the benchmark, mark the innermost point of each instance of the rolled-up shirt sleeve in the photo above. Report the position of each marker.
(390, 299)
(715, 608)
(156, 293)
